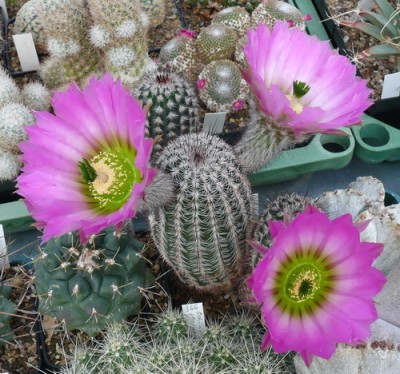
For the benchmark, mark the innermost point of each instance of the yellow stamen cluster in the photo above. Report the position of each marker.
(304, 286)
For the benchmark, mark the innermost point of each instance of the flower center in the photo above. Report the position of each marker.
(108, 178)
(300, 89)
(303, 283)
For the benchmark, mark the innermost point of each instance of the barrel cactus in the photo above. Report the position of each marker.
(235, 17)
(216, 42)
(221, 86)
(155, 10)
(88, 286)
(7, 308)
(174, 108)
(202, 232)
(273, 11)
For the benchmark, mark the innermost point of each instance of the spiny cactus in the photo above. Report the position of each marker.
(65, 23)
(9, 91)
(266, 137)
(13, 118)
(9, 166)
(230, 345)
(235, 17)
(88, 286)
(202, 232)
(382, 22)
(221, 86)
(174, 108)
(120, 31)
(7, 308)
(155, 10)
(180, 54)
(36, 96)
(216, 42)
(28, 20)
(273, 11)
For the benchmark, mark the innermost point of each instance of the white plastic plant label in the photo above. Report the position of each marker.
(4, 13)
(3, 250)
(194, 317)
(391, 86)
(26, 51)
(214, 122)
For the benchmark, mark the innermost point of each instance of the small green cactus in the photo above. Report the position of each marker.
(216, 42)
(174, 108)
(89, 286)
(272, 11)
(235, 17)
(382, 22)
(7, 308)
(221, 86)
(202, 232)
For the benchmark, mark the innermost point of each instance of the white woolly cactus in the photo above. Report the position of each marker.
(9, 166)
(13, 118)
(236, 17)
(221, 87)
(155, 10)
(36, 96)
(9, 92)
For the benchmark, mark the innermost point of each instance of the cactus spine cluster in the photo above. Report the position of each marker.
(155, 10)
(235, 17)
(230, 345)
(221, 86)
(119, 31)
(173, 106)
(89, 286)
(202, 232)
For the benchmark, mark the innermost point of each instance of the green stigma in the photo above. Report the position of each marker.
(303, 282)
(300, 89)
(88, 174)
(108, 178)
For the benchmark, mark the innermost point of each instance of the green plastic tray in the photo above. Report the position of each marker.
(376, 141)
(325, 151)
(15, 217)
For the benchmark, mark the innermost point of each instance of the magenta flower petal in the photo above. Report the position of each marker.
(328, 93)
(315, 285)
(85, 167)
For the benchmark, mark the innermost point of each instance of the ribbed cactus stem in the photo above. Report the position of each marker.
(265, 136)
(202, 232)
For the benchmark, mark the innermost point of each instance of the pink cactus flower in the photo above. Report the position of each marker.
(85, 167)
(307, 17)
(238, 104)
(290, 23)
(188, 33)
(315, 284)
(201, 83)
(300, 82)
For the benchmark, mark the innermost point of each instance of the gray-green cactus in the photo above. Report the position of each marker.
(174, 108)
(7, 308)
(235, 17)
(216, 42)
(89, 286)
(155, 10)
(221, 86)
(202, 232)
(272, 11)
(382, 22)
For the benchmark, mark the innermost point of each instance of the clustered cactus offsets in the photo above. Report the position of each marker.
(89, 286)
(15, 113)
(221, 41)
(202, 232)
(230, 345)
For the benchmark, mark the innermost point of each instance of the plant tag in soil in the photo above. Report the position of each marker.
(26, 51)
(3, 250)
(391, 86)
(194, 317)
(4, 13)
(214, 122)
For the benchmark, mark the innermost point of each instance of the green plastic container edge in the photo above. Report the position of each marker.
(15, 217)
(376, 141)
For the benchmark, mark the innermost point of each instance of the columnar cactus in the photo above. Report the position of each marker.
(216, 42)
(221, 86)
(202, 232)
(65, 23)
(235, 17)
(173, 106)
(119, 31)
(273, 11)
(88, 286)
